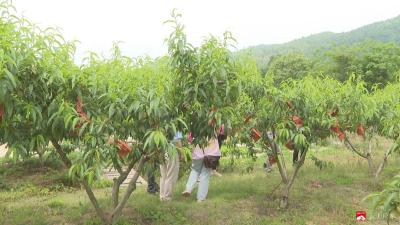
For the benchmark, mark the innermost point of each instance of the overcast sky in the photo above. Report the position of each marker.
(139, 24)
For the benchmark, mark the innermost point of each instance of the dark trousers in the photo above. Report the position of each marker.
(152, 186)
(221, 139)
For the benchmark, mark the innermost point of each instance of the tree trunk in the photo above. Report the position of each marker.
(285, 198)
(118, 206)
(370, 164)
(380, 168)
(281, 167)
(284, 203)
(383, 164)
(131, 187)
(61, 153)
(118, 181)
(115, 192)
(95, 203)
(88, 190)
(369, 158)
(279, 151)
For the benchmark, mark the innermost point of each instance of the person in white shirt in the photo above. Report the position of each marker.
(200, 171)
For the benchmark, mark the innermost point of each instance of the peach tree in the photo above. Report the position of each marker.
(46, 98)
(367, 114)
(294, 115)
(205, 82)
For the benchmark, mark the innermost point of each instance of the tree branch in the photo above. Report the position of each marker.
(95, 203)
(282, 169)
(354, 149)
(88, 190)
(299, 164)
(369, 157)
(117, 166)
(388, 152)
(118, 181)
(131, 187)
(61, 153)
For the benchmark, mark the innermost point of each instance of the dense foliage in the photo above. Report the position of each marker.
(205, 85)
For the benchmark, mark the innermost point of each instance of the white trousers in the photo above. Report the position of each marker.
(169, 177)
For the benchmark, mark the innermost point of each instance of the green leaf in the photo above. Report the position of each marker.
(75, 121)
(90, 177)
(157, 139)
(111, 110)
(67, 120)
(82, 129)
(10, 77)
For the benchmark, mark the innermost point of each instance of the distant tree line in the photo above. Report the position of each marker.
(377, 63)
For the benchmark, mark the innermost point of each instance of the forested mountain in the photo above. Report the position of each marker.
(385, 31)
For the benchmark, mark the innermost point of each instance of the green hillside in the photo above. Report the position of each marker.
(385, 31)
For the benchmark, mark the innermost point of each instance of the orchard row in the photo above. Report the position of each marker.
(89, 112)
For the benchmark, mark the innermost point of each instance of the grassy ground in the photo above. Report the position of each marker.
(31, 193)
